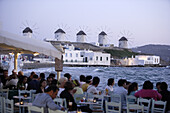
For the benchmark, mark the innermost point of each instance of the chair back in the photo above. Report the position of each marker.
(115, 98)
(4, 93)
(135, 108)
(61, 102)
(130, 99)
(113, 107)
(1, 104)
(35, 109)
(78, 97)
(56, 111)
(33, 97)
(146, 103)
(8, 106)
(158, 106)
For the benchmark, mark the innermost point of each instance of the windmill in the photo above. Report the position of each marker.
(124, 39)
(62, 33)
(29, 29)
(103, 35)
(81, 34)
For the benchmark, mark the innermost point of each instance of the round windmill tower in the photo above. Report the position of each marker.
(27, 32)
(81, 36)
(102, 39)
(60, 35)
(123, 42)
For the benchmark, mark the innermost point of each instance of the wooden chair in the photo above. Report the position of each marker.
(35, 109)
(4, 93)
(8, 106)
(113, 107)
(1, 104)
(135, 108)
(115, 98)
(158, 106)
(56, 111)
(146, 103)
(130, 99)
(61, 102)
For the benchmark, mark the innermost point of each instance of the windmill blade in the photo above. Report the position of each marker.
(124, 32)
(27, 23)
(34, 25)
(131, 34)
(36, 32)
(80, 27)
(121, 33)
(36, 28)
(24, 24)
(65, 26)
(21, 27)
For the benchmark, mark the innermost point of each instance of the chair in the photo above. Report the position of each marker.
(115, 98)
(113, 107)
(146, 103)
(33, 97)
(135, 108)
(130, 99)
(1, 104)
(56, 111)
(61, 102)
(78, 97)
(8, 106)
(158, 106)
(35, 109)
(4, 93)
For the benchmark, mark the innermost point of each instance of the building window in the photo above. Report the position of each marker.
(66, 54)
(91, 58)
(149, 59)
(66, 60)
(96, 58)
(70, 54)
(100, 58)
(76, 54)
(107, 58)
(82, 56)
(155, 59)
(75, 60)
(71, 60)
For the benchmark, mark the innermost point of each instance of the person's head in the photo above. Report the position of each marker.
(14, 77)
(96, 81)
(62, 81)
(158, 84)
(110, 82)
(32, 74)
(89, 79)
(69, 86)
(164, 86)
(14, 72)
(35, 77)
(42, 75)
(132, 87)
(82, 78)
(43, 83)
(24, 79)
(76, 83)
(148, 85)
(52, 91)
(127, 84)
(20, 73)
(54, 82)
(49, 80)
(68, 76)
(5, 73)
(52, 75)
(122, 83)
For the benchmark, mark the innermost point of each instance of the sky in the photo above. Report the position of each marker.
(141, 21)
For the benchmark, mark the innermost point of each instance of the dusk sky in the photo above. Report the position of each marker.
(147, 21)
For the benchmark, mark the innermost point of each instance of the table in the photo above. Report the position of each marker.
(22, 97)
(88, 103)
(22, 107)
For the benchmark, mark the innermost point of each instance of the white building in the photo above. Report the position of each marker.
(81, 36)
(143, 60)
(60, 35)
(102, 39)
(123, 42)
(85, 57)
(27, 32)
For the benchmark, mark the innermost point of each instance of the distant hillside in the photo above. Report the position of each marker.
(161, 50)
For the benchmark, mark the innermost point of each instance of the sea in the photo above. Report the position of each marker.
(132, 74)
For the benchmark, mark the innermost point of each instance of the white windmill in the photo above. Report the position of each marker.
(60, 35)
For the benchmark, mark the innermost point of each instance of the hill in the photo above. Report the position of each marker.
(161, 50)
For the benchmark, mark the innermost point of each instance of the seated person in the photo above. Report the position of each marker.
(109, 87)
(62, 82)
(148, 92)
(43, 84)
(88, 82)
(34, 83)
(92, 88)
(46, 99)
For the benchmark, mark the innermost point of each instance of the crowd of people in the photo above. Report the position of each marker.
(50, 88)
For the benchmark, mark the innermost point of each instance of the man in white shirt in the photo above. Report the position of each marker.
(92, 88)
(120, 90)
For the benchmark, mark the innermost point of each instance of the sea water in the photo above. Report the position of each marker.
(132, 74)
